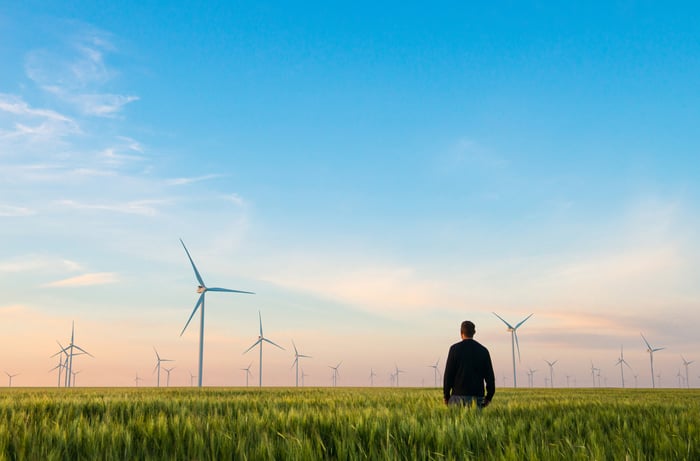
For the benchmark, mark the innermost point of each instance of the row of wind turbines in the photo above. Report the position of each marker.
(513, 330)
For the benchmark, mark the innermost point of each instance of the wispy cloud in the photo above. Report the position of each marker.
(138, 207)
(77, 74)
(30, 263)
(15, 211)
(29, 122)
(190, 180)
(96, 278)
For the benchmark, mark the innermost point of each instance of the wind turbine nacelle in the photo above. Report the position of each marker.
(201, 289)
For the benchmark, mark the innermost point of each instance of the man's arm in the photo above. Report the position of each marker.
(448, 378)
(490, 380)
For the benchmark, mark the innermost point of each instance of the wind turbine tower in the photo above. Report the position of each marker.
(651, 351)
(297, 356)
(157, 367)
(202, 290)
(685, 364)
(335, 373)
(551, 372)
(621, 361)
(397, 374)
(247, 373)
(514, 341)
(10, 378)
(260, 341)
(435, 367)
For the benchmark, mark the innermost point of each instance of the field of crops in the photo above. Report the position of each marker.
(346, 423)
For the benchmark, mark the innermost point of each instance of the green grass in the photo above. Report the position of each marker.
(343, 423)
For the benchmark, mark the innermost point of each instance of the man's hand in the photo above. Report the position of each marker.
(485, 404)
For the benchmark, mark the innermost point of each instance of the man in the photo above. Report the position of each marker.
(468, 368)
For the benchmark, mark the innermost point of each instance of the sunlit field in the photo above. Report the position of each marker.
(346, 423)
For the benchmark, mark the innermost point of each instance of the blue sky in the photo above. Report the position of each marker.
(376, 174)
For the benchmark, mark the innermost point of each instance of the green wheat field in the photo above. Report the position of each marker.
(346, 423)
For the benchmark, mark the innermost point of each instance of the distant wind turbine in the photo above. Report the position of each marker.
(247, 373)
(157, 367)
(531, 376)
(297, 356)
(593, 370)
(551, 372)
(303, 375)
(70, 353)
(60, 364)
(335, 373)
(260, 341)
(435, 367)
(137, 379)
(372, 374)
(74, 373)
(651, 351)
(168, 370)
(685, 364)
(621, 361)
(10, 378)
(514, 341)
(192, 378)
(397, 374)
(202, 289)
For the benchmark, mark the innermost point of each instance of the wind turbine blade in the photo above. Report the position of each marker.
(254, 344)
(83, 351)
(502, 320)
(196, 306)
(230, 291)
(196, 272)
(646, 342)
(309, 357)
(517, 345)
(274, 344)
(523, 320)
(260, 318)
(296, 353)
(157, 356)
(658, 349)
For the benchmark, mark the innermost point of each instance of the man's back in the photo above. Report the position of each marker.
(468, 366)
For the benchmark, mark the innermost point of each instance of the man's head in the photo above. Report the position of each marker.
(468, 329)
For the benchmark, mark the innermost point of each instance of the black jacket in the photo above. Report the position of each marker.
(468, 367)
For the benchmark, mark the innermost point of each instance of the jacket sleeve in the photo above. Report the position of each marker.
(449, 376)
(489, 378)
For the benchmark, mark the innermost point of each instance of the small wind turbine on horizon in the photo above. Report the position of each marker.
(685, 364)
(75, 373)
(335, 373)
(157, 367)
(192, 376)
(531, 376)
(59, 366)
(593, 370)
(435, 367)
(202, 289)
(372, 374)
(651, 351)
(247, 373)
(167, 371)
(297, 356)
(260, 341)
(551, 372)
(137, 379)
(621, 361)
(514, 341)
(70, 353)
(303, 375)
(10, 378)
(397, 374)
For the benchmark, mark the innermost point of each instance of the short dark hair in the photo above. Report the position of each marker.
(468, 328)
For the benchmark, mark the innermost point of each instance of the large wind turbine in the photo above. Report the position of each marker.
(70, 353)
(514, 341)
(297, 356)
(260, 340)
(551, 372)
(621, 361)
(157, 367)
(202, 289)
(651, 351)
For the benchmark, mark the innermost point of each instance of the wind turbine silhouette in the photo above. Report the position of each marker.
(685, 364)
(531, 375)
(202, 289)
(247, 373)
(397, 374)
(372, 374)
(260, 340)
(514, 341)
(651, 351)
(297, 356)
(10, 378)
(335, 373)
(74, 373)
(435, 367)
(551, 372)
(168, 370)
(137, 379)
(69, 351)
(303, 375)
(593, 370)
(157, 367)
(60, 365)
(621, 361)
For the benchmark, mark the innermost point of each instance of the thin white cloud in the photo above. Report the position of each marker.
(137, 207)
(190, 180)
(29, 122)
(31, 263)
(15, 211)
(96, 278)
